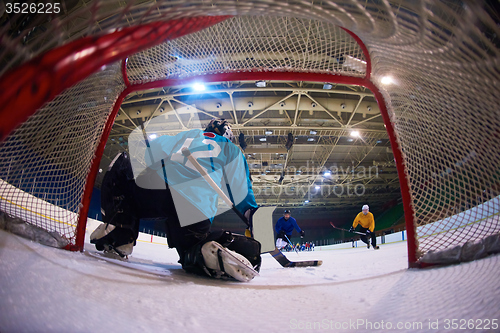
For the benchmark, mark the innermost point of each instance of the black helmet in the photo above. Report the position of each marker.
(220, 127)
(287, 211)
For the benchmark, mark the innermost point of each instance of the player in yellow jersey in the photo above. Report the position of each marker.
(367, 222)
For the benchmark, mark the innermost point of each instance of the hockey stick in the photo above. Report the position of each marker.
(355, 232)
(290, 242)
(280, 257)
(276, 254)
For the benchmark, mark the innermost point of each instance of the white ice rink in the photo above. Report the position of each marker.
(44, 289)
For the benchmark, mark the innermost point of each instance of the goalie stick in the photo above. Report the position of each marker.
(276, 254)
(280, 257)
(355, 232)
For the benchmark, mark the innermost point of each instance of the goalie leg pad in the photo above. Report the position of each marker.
(194, 261)
(222, 261)
(247, 247)
(118, 197)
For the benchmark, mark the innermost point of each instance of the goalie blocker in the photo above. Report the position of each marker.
(124, 204)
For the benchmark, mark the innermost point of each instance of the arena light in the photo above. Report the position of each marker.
(355, 134)
(327, 86)
(327, 173)
(260, 84)
(152, 136)
(199, 86)
(387, 80)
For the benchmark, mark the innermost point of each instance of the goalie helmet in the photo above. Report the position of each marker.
(220, 127)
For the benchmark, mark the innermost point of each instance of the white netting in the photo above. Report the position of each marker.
(45, 162)
(446, 113)
(444, 56)
(253, 43)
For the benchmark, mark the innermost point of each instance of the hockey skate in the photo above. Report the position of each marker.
(280, 243)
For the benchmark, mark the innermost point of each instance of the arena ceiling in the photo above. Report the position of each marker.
(340, 157)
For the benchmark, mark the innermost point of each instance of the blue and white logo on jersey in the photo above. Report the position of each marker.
(162, 155)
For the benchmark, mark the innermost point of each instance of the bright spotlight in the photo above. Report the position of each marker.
(199, 86)
(260, 84)
(355, 134)
(387, 80)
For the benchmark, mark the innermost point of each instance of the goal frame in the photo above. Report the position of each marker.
(79, 59)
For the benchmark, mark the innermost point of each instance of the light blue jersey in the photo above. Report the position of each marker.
(223, 161)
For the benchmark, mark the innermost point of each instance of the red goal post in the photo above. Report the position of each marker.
(451, 190)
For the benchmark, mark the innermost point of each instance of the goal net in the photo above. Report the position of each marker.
(64, 76)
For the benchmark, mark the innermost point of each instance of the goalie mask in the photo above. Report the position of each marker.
(220, 127)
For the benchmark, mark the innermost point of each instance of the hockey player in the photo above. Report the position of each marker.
(171, 189)
(284, 227)
(367, 222)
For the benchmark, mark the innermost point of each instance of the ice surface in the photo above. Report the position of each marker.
(44, 289)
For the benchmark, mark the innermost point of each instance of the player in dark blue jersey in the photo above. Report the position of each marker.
(284, 228)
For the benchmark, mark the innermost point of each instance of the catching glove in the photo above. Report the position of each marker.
(302, 233)
(368, 232)
(281, 235)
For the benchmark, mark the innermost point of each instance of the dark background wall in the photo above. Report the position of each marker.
(315, 221)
